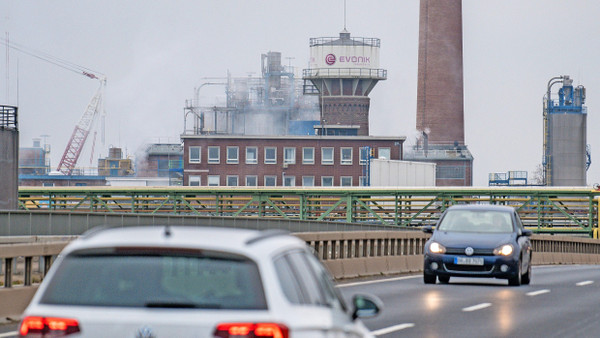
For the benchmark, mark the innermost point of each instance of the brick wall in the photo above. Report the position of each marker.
(279, 169)
(347, 111)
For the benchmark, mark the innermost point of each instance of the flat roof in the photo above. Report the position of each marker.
(297, 137)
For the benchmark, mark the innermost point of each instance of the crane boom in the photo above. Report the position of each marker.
(80, 134)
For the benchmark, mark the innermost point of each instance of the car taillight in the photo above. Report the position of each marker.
(250, 330)
(48, 327)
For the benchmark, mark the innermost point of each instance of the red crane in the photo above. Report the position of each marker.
(80, 134)
(82, 129)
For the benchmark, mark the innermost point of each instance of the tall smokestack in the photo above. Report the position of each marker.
(440, 77)
(440, 118)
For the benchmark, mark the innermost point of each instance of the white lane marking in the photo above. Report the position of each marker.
(587, 282)
(392, 329)
(9, 334)
(378, 281)
(477, 307)
(538, 292)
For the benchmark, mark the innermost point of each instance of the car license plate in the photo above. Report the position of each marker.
(468, 260)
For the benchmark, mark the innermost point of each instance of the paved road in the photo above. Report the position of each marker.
(562, 301)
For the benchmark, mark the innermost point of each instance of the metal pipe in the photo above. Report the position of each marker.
(546, 163)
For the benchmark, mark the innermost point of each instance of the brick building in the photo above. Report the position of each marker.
(233, 160)
(161, 160)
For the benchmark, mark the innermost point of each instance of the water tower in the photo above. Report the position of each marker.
(342, 71)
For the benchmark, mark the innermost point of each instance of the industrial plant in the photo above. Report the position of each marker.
(270, 104)
(279, 131)
(287, 127)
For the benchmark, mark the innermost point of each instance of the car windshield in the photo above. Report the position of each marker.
(489, 221)
(151, 278)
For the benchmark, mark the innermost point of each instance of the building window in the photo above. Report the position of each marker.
(308, 155)
(327, 181)
(289, 155)
(346, 181)
(270, 155)
(195, 154)
(232, 180)
(384, 153)
(251, 155)
(346, 156)
(308, 181)
(362, 181)
(163, 167)
(195, 181)
(364, 155)
(289, 181)
(233, 155)
(270, 181)
(251, 181)
(214, 180)
(327, 155)
(214, 155)
(450, 172)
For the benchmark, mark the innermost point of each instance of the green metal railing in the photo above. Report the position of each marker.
(545, 210)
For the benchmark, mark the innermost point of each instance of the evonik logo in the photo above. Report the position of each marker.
(330, 59)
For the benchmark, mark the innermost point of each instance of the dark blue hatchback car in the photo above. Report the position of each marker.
(478, 241)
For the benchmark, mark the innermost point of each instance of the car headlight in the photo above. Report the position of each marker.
(437, 248)
(504, 250)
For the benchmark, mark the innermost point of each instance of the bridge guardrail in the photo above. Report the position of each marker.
(544, 209)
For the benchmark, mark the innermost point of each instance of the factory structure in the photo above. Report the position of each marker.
(269, 104)
(9, 157)
(159, 164)
(343, 71)
(277, 131)
(566, 152)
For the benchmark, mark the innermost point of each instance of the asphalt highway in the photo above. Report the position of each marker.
(561, 301)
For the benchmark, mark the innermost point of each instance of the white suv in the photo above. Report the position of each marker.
(191, 282)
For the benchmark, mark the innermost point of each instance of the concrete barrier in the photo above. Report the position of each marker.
(13, 301)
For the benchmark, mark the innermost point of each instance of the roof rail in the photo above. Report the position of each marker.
(265, 234)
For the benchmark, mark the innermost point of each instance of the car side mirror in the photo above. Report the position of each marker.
(428, 229)
(365, 306)
(527, 232)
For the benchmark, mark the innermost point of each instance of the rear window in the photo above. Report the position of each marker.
(157, 278)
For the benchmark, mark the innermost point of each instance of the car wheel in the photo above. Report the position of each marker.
(444, 279)
(526, 279)
(516, 281)
(429, 278)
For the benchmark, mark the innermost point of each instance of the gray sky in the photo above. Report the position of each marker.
(154, 53)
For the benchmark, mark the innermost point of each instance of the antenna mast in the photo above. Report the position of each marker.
(344, 14)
